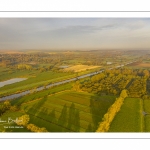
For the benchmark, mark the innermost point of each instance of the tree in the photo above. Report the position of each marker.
(35, 128)
(123, 94)
(146, 73)
(109, 116)
(14, 108)
(76, 86)
(7, 104)
(23, 120)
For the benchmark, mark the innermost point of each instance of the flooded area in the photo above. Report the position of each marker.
(51, 85)
(11, 81)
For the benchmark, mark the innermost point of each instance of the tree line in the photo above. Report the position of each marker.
(112, 111)
(116, 80)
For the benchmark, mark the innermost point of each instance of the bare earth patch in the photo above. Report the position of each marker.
(78, 68)
(141, 64)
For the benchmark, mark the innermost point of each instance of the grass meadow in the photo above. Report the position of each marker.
(66, 111)
(9, 126)
(34, 79)
(129, 118)
(146, 104)
(39, 79)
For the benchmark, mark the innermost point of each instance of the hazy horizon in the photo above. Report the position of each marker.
(74, 33)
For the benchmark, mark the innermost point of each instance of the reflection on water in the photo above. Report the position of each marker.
(11, 81)
(50, 85)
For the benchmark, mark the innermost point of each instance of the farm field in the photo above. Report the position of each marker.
(140, 65)
(67, 111)
(74, 75)
(35, 79)
(7, 73)
(129, 118)
(146, 106)
(41, 94)
(79, 68)
(39, 79)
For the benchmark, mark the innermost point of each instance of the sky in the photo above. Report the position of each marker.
(74, 33)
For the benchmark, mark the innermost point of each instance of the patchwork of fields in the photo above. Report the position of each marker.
(67, 111)
(60, 109)
(134, 116)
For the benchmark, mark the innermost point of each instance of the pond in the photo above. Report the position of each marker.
(11, 81)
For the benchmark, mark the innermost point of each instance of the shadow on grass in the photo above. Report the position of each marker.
(36, 107)
(89, 129)
(98, 106)
(73, 118)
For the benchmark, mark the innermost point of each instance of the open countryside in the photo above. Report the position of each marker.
(78, 68)
(81, 104)
(96, 87)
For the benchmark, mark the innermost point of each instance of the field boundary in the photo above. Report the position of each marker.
(42, 97)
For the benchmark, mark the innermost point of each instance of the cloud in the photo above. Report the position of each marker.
(79, 32)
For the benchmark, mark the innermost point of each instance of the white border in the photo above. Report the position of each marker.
(74, 5)
(55, 135)
(74, 14)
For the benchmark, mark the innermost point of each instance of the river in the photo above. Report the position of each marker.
(13, 96)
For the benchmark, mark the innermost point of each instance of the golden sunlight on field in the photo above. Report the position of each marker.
(78, 68)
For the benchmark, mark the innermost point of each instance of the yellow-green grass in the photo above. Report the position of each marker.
(35, 79)
(129, 118)
(6, 73)
(79, 68)
(41, 79)
(146, 104)
(68, 111)
(41, 94)
(11, 127)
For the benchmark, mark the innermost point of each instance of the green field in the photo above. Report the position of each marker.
(10, 126)
(7, 73)
(146, 104)
(129, 118)
(67, 111)
(34, 79)
(39, 79)
(41, 94)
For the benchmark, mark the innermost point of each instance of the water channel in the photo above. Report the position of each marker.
(13, 96)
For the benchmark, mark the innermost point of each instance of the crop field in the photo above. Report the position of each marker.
(41, 94)
(140, 65)
(146, 104)
(67, 111)
(129, 118)
(78, 68)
